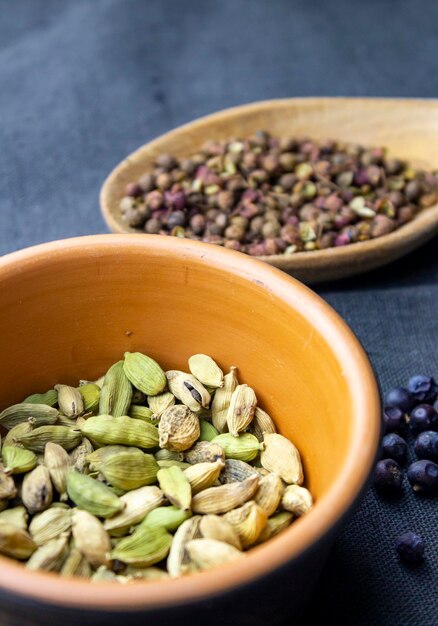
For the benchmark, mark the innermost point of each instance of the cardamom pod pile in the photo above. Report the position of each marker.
(144, 474)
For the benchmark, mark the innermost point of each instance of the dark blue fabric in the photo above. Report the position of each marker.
(83, 83)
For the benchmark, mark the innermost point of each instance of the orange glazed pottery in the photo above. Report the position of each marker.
(70, 309)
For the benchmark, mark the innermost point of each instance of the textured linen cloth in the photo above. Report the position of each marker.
(83, 83)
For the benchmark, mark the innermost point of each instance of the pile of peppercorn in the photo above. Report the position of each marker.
(411, 410)
(265, 195)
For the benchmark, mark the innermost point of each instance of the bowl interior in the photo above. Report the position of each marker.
(69, 310)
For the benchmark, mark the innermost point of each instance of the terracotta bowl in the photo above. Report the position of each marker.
(408, 128)
(69, 309)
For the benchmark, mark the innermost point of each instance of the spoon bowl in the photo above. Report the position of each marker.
(408, 128)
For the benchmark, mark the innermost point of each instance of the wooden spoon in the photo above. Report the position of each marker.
(408, 128)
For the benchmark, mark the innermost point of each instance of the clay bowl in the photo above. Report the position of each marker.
(69, 309)
(408, 128)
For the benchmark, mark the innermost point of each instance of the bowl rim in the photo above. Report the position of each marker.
(51, 589)
(396, 244)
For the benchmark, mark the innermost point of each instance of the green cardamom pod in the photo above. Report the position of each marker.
(16, 432)
(91, 538)
(18, 516)
(241, 410)
(243, 448)
(206, 370)
(138, 503)
(18, 460)
(146, 546)
(116, 394)
(50, 398)
(15, 542)
(58, 462)
(142, 413)
(158, 404)
(8, 490)
(50, 524)
(90, 396)
(221, 401)
(107, 430)
(70, 401)
(37, 438)
(42, 414)
(96, 457)
(76, 565)
(208, 431)
(36, 491)
(176, 486)
(168, 517)
(169, 455)
(92, 495)
(129, 470)
(50, 556)
(144, 373)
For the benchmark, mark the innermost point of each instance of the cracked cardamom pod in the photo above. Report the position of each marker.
(144, 413)
(262, 423)
(50, 524)
(8, 489)
(297, 500)
(58, 462)
(176, 487)
(91, 539)
(178, 561)
(78, 456)
(90, 396)
(37, 438)
(129, 470)
(144, 373)
(188, 390)
(137, 505)
(178, 428)
(107, 430)
(216, 527)
(209, 553)
(146, 546)
(41, 414)
(204, 452)
(206, 370)
(158, 404)
(116, 392)
(208, 431)
(203, 475)
(168, 517)
(245, 447)
(37, 492)
(50, 398)
(76, 565)
(92, 495)
(50, 556)
(222, 499)
(269, 493)
(241, 410)
(279, 455)
(18, 460)
(236, 471)
(18, 516)
(70, 401)
(221, 401)
(248, 522)
(275, 525)
(15, 541)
